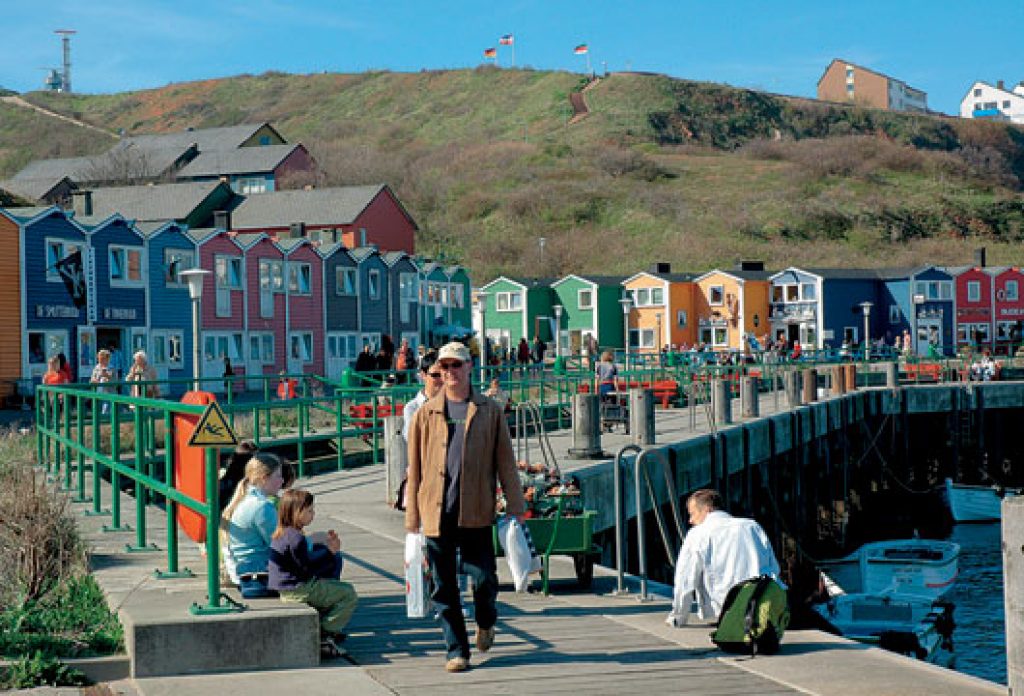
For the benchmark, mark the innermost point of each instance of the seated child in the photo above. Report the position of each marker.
(304, 571)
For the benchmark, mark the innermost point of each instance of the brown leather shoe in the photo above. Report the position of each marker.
(484, 638)
(457, 664)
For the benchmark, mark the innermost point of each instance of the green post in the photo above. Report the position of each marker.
(66, 401)
(302, 437)
(115, 476)
(141, 490)
(256, 425)
(339, 420)
(80, 496)
(51, 400)
(375, 425)
(97, 432)
(40, 425)
(213, 596)
(171, 506)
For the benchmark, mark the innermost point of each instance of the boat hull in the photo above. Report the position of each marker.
(919, 567)
(975, 503)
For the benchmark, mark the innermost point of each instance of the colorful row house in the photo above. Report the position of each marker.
(590, 308)
(446, 311)
(517, 308)
(661, 311)
(989, 307)
(731, 306)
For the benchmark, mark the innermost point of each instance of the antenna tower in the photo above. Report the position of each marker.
(65, 38)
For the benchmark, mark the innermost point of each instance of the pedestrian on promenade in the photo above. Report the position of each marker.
(523, 353)
(250, 520)
(459, 448)
(719, 551)
(142, 371)
(307, 569)
(54, 375)
(102, 374)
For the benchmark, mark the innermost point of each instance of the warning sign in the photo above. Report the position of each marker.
(212, 430)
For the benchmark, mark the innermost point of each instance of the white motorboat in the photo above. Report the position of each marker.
(969, 503)
(905, 624)
(924, 568)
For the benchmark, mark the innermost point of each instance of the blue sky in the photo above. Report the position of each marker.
(939, 46)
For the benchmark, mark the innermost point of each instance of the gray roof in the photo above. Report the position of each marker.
(393, 257)
(201, 234)
(247, 240)
(123, 161)
(152, 202)
(331, 248)
(750, 275)
(28, 212)
(360, 253)
(205, 139)
(326, 206)
(33, 189)
(74, 167)
(602, 279)
(150, 227)
(289, 244)
(243, 160)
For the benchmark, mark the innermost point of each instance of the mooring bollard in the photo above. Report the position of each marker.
(586, 426)
(791, 381)
(749, 397)
(892, 375)
(641, 416)
(851, 377)
(810, 386)
(838, 387)
(1013, 590)
(721, 401)
(394, 457)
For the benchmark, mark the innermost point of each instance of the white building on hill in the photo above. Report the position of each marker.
(994, 102)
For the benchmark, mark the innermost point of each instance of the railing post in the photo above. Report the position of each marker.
(115, 476)
(65, 405)
(141, 490)
(339, 420)
(97, 443)
(213, 595)
(620, 562)
(80, 496)
(171, 506)
(302, 437)
(40, 426)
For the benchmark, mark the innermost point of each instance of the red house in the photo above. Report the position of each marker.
(304, 297)
(1009, 309)
(352, 215)
(223, 306)
(266, 332)
(973, 306)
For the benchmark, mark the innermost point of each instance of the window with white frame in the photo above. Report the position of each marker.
(228, 270)
(247, 185)
(792, 293)
(716, 295)
(56, 251)
(508, 301)
(641, 338)
(681, 318)
(217, 346)
(344, 281)
(125, 265)
(261, 348)
(168, 348)
(777, 293)
(299, 278)
(585, 299)
(657, 296)
(642, 297)
(271, 279)
(934, 289)
(973, 291)
(458, 296)
(176, 261)
(301, 346)
(808, 292)
(373, 283)
(1011, 291)
(407, 287)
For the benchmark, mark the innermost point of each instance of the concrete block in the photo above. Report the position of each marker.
(164, 639)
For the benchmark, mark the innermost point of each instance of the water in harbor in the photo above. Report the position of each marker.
(980, 637)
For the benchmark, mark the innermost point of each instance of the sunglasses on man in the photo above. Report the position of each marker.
(450, 365)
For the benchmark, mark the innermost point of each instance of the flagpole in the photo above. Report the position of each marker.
(513, 51)
(589, 71)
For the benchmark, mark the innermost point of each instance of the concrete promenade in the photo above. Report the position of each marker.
(569, 641)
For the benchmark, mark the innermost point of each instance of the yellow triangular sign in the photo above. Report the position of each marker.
(212, 430)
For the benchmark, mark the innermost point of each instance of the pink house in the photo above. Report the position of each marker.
(973, 306)
(1009, 309)
(223, 310)
(266, 331)
(304, 312)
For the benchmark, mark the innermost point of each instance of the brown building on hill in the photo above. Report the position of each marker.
(846, 82)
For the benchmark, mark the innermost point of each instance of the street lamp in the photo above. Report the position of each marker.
(558, 330)
(195, 278)
(626, 304)
(542, 241)
(481, 307)
(659, 341)
(866, 308)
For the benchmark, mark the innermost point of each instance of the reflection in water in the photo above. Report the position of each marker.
(980, 636)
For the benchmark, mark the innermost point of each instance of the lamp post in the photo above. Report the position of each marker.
(541, 242)
(626, 305)
(558, 330)
(195, 278)
(659, 341)
(866, 308)
(481, 307)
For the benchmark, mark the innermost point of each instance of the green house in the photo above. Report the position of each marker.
(444, 295)
(461, 293)
(590, 307)
(519, 308)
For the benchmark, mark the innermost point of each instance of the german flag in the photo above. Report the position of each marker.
(490, 53)
(580, 50)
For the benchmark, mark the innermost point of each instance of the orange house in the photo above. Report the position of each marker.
(730, 305)
(662, 309)
(10, 304)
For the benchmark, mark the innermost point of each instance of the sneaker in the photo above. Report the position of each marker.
(457, 664)
(330, 650)
(484, 638)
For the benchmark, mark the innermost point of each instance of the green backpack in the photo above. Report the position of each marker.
(754, 616)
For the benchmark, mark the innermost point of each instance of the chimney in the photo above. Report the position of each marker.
(661, 267)
(750, 266)
(222, 219)
(979, 257)
(297, 229)
(1000, 84)
(81, 202)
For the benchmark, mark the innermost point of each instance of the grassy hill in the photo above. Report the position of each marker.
(662, 169)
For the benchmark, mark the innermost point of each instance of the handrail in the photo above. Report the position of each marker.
(620, 571)
(641, 537)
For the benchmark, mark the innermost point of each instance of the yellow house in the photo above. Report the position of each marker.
(662, 309)
(730, 305)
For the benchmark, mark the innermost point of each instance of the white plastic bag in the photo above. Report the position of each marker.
(522, 559)
(417, 580)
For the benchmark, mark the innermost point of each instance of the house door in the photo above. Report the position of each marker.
(929, 335)
(341, 351)
(86, 352)
(218, 349)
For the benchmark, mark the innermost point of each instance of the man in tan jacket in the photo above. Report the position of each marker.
(459, 447)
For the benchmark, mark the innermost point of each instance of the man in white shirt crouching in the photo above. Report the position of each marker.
(719, 551)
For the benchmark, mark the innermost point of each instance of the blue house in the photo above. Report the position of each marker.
(121, 280)
(341, 308)
(924, 298)
(374, 290)
(169, 251)
(404, 308)
(54, 318)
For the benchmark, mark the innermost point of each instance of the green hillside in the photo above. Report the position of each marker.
(662, 169)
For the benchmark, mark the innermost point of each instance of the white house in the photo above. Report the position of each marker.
(994, 102)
